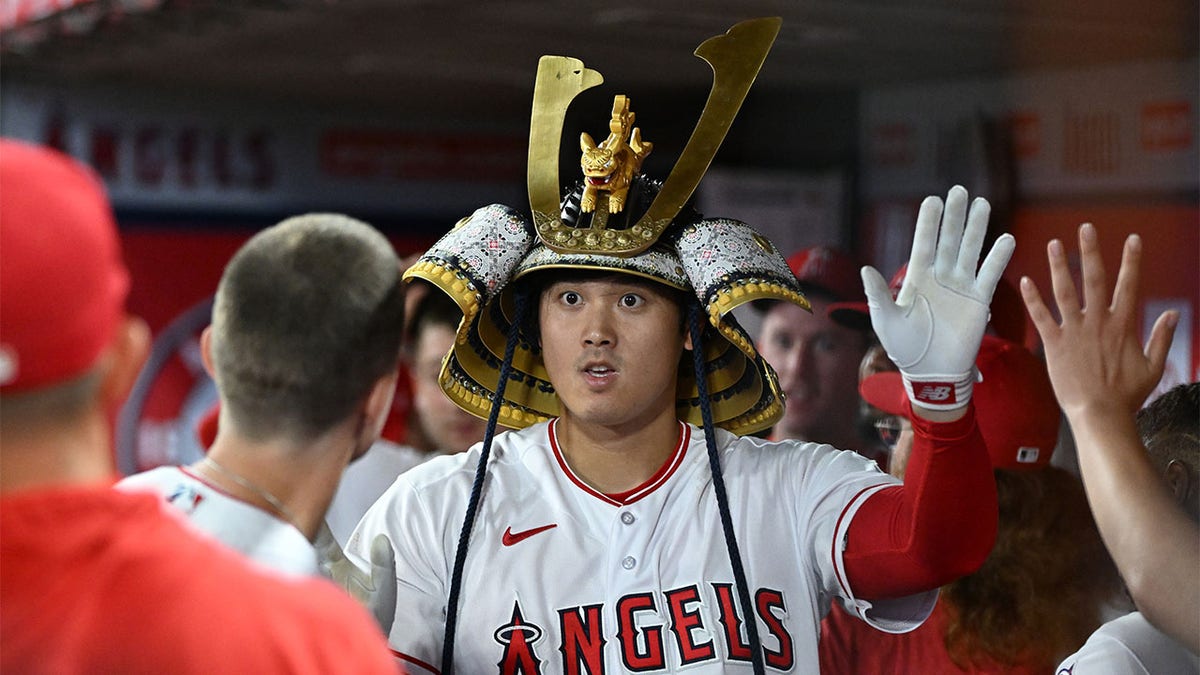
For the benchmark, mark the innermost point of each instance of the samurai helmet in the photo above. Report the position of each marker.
(616, 219)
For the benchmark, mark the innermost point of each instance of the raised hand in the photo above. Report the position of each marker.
(933, 328)
(1094, 354)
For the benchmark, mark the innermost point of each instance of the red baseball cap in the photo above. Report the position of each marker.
(829, 269)
(1014, 404)
(62, 282)
(1008, 318)
(856, 314)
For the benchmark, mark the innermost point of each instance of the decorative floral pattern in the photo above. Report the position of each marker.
(658, 262)
(486, 248)
(716, 252)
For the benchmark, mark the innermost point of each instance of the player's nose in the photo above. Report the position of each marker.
(795, 364)
(598, 327)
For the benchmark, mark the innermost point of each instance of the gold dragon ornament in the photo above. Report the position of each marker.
(612, 165)
(735, 58)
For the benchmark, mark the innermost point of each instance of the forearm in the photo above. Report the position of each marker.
(939, 526)
(941, 416)
(1153, 542)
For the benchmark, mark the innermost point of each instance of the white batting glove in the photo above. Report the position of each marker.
(932, 330)
(375, 589)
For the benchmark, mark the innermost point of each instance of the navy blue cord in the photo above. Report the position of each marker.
(460, 554)
(695, 315)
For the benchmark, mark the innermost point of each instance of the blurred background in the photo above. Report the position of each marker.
(209, 119)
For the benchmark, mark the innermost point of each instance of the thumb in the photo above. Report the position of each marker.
(879, 296)
(327, 545)
(383, 577)
(383, 558)
(993, 266)
(1159, 344)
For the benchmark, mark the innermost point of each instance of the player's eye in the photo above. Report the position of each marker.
(570, 298)
(781, 341)
(826, 343)
(631, 300)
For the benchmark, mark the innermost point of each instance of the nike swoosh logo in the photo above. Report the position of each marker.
(511, 537)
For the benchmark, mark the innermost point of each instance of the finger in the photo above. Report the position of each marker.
(972, 243)
(1061, 283)
(1159, 344)
(1043, 320)
(1095, 291)
(383, 577)
(879, 296)
(1124, 300)
(383, 558)
(993, 266)
(951, 235)
(926, 235)
(327, 544)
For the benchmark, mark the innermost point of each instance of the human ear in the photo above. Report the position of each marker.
(206, 352)
(126, 356)
(1179, 479)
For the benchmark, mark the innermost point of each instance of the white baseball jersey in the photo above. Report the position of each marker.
(1130, 645)
(563, 579)
(259, 535)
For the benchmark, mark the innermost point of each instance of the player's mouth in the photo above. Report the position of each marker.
(598, 374)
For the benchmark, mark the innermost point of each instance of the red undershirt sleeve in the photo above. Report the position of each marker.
(939, 526)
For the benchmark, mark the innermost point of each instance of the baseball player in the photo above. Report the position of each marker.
(627, 525)
(304, 348)
(816, 357)
(96, 580)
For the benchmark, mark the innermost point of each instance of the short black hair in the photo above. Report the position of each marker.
(1170, 427)
(308, 316)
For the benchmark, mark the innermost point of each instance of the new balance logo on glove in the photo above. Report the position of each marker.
(934, 393)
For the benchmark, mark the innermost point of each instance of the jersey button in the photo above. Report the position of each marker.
(627, 518)
(628, 562)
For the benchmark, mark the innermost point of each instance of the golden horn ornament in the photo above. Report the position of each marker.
(735, 57)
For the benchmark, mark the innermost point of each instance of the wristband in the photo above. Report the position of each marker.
(940, 392)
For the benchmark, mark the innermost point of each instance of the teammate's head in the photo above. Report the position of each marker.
(67, 347)
(307, 320)
(1015, 407)
(816, 357)
(1170, 429)
(429, 335)
(63, 283)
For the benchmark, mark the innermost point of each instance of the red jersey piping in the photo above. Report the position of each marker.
(621, 499)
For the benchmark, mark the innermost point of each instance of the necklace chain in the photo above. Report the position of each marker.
(267, 496)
